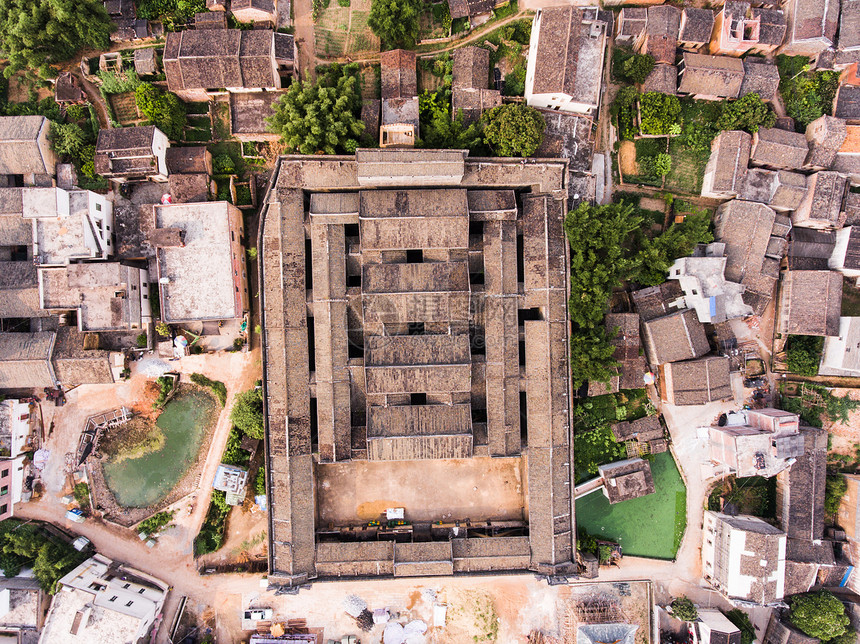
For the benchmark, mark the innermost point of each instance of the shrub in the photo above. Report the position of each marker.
(233, 453)
(260, 481)
(28, 544)
(658, 112)
(218, 387)
(834, 490)
(163, 109)
(223, 164)
(165, 384)
(623, 109)
(748, 113)
(211, 535)
(819, 615)
(803, 354)
(807, 94)
(662, 164)
(684, 609)
(162, 329)
(604, 553)
(247, 413)
(156, 522)
(395, 22)
(637, 67)
(141, 341)
(740, 619)
(82, 495)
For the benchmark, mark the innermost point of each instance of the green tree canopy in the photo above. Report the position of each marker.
(803, 353)
(834, 490)
(819, 615)
(748, 113)
(658, 255)
(36, 34)
(320, 117)
(513, 130)
(658, 112)
(439, 130)
(684, 609)
(740, 619)
(395, 22)
(247, 413)
(163, 109)
(637, 67)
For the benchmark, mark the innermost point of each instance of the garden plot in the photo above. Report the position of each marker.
(343, 31)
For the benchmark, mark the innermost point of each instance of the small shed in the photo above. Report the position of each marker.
(145, 62)
(67, 90)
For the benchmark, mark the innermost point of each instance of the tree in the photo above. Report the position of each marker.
(740, 619)
(162, 329)
(439, 130)
(591, 356)
(684, 609)
(36, 34)
(637, 67)
(513, 130)
(321, 117)
(834, 490)
(67, 139)
(803, 353)
(819, 615)
(395, 23)
(163, 109)
(658, 112)
(747, 113)
(247, 413)
(604, 553)
(658, 255)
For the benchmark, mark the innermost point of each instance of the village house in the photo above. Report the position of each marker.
(646, 431)
(755, 239)
(101, 601)
(25, 360)
(849, 515)
(565, 65)
(741, 28)
(470, 8)
(765, 444)
(727, 165)
(812, 26)
(846, 105)
(743, 557)
(399, 99)
(627, 479)
(132, 153)
(390, 349)
(810, 303)
(782, 632)
(695, 382)
(760, 77)
(778, 149)
(847, 160)
(702, 278)
(696, 27)
(810, 249)
(23, 605)
(656, 301)
(660, 38)
(781, 190)
(623, 328)
(677, 336)
(710, 77)
(715, 628)
(800, 491)
(145, 61)
(188, 170)
(841, 354)
(631, 24)
(199, 61)
(17, 423)
(849, 26)
(826, 135)
(663, 78)
(26, 155)
(128, 26)
(67, 90)
(471, 82)
(255, 11)
(821, 207)
(846, 252)
(200, 262)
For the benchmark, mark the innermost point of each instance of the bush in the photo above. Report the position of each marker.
(748, 113)
(684, 609)
(834, 490)
(218, 387)
(807, 94)
(141, 341)
(260, 481)
(233, 453)
(819, 615)
(740, 619)
(163, 109)
(155, 523)
(593, 448)
(165, 384)
(637, 67)
(395, 22)
(803, 354)
(162, 329)
(247, 413)
(82, 496)
(223, 164)
(211, 535)
(662, 164)
(623, 109)
(658, 113)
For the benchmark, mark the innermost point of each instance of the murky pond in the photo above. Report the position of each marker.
(140, 482)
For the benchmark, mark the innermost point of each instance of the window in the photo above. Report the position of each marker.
(417, 399)
(4, 490)
(112, 599)
(133, 287)
(5, 473)
(129, 603)
(414, 256)
(126, 585)
(98, 207)
(3, 508)
(141, 591)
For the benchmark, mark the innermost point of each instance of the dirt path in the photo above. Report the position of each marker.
(305, 38)
(95, 98)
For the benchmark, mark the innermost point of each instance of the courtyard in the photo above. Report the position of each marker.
(650, 526)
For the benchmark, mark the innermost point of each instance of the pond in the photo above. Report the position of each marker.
(141, 482)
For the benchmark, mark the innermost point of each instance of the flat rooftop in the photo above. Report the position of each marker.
(102, 626)
(60, 237)
(196, 279)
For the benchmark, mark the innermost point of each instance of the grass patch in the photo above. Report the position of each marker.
(198, 135)
(198, 121)
(197, 108)
(688, 168)
(650, 526)
(82, 496)
(218, 387)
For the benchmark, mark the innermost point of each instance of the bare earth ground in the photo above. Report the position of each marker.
(845, 436)
(479, 489)
(627, 158)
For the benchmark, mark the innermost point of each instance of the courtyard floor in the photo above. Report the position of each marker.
(650, 526)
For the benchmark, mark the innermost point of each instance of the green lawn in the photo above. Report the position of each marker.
(650, 526)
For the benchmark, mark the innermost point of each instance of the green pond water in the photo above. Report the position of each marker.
(140, 482)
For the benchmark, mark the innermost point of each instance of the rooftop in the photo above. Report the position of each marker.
(778, 148)
(471, 68)
(663, 78)
(466, 8)
(813, 20)
(760, 77)
(810, 303)
(696, 25)
(697, 382)
(628, 479)
(21, 151)
(677, 336)
(847, 104)
(399, 75)
(711, 75)
(25, 360)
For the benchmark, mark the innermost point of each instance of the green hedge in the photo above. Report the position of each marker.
(218, 387)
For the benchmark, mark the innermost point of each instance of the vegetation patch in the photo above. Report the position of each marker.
(29, 544)
(751, 495)
(806, 94)
(217, 387)
(81, 493)
(814, 403)
(803, 354)
(156, 523)
(211, 535)
(138, 437)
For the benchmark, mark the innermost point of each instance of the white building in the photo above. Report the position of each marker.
(15, 440)
(565, 66)
(841, 355)
(103, 602)
(846, 254)
(706, 289)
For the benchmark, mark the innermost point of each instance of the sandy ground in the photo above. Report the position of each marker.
(479, 489)
(627, 158)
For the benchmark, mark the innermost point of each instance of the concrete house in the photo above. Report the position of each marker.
(778, 149)
(200, 262)
(565, 65)
(660, 38)
(715, 628)
(740, 28)
(727, 166)
(846, 252)
(822, 207)
(26, 155)
(695, 382)
(812, 26)
(810, 303)
(696, 27)
(399, 99)
(132, 154)
(743, 557)
(710, 77)
(373, 262)
(765, 445)
(199, 61)
(826, 134)
(23, 605)
(755, 239)
(841, 355)
(17, 423)
(102, 600)
(471, 82)
(702, 278)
